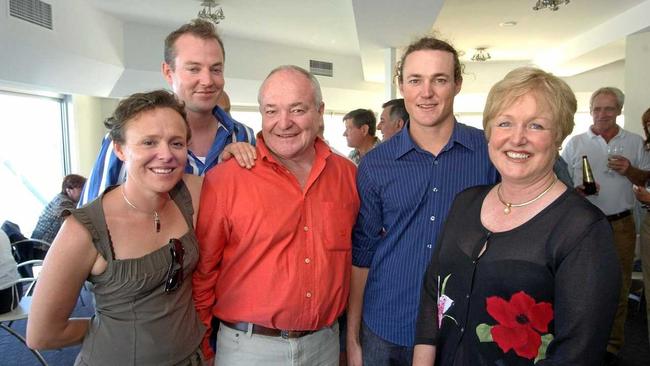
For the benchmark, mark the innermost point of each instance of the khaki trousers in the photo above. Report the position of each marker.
(624, 240)
(237, 348)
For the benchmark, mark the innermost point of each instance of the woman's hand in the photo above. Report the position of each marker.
(641, 194)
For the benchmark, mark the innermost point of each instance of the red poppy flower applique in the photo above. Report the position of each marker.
(522, 325)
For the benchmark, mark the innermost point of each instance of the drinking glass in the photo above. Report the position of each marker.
(611, 151)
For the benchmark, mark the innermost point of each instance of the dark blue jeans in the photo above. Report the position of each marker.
(379, 352)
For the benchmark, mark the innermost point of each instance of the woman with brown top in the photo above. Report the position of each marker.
(136, 244)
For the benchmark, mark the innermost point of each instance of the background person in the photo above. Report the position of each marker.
(9, 294)
(614, 173)
(136, 244)
(50, 221)
(641, 192)
(393, 118)
(360, 129)
(525, 270)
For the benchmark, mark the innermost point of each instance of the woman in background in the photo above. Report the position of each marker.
(525, 271)
(136, 244)
(643, 196)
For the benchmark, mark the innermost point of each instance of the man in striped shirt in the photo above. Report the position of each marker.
(406, 186)
(193, 67)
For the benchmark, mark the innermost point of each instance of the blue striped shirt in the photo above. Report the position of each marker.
(110, 170)
(407, 192)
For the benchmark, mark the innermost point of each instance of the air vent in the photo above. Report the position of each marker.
(321, 68)
(33, 11)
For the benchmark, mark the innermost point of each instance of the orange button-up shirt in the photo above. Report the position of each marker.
(272, 252)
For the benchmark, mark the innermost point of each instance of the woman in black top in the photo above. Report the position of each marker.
(525, 271)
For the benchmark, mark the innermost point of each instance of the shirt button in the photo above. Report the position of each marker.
(467, 296)
(429, 246)
(435, 189)
(433, 218)
(308, 295)
(305, 228)
(462, 330)
(435, 162)
(307, 260)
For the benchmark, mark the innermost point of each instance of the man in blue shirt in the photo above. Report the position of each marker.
(193, 67)
(407, 185)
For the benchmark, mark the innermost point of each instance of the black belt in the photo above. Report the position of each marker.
(619, 215)
(270, 332)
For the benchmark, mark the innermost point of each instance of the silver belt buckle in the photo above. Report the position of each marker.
(284, 334)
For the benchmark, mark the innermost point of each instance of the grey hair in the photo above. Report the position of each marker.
(620, 97)
(315, 85)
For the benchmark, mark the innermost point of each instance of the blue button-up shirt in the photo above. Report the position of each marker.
(110, 170)
(406, 193)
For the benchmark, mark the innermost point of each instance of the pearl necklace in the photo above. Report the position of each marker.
(156, 216)
(509, 205)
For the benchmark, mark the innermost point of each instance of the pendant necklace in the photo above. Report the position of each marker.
(156, 217)
(509, 205)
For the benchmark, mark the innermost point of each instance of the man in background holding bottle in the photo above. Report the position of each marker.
(615, 196)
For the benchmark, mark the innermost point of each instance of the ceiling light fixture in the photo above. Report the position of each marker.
(481, 55)
(553, 5)
(509, 23)
(211, 11)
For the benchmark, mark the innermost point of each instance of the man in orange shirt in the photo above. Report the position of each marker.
(275, 240)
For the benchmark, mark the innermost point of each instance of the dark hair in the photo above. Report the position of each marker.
(137, 103)
(397, 109)
(199, 28)
(430, 44)
(644, 119)
(72, 181)
(362, 117)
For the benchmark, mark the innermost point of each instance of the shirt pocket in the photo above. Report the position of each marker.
(337, 222)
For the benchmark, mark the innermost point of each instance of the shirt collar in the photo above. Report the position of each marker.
(621, 133)
(224, 119)
(460, 135)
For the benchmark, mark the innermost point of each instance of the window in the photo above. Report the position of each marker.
(33, 155)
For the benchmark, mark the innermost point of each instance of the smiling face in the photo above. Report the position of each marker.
(155, 149)
(290, 116)
(521, 143)
(604, 111)
(428, 87)
(197, 75)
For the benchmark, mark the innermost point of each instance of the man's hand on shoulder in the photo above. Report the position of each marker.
(243, 152)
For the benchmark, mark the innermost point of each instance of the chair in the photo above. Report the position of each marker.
(26, 250)
(19, 313)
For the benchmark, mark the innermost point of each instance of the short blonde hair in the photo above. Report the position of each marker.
(554, 91)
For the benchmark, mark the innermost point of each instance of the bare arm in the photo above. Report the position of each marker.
(67, 265)
(357, 288)
(424, 355)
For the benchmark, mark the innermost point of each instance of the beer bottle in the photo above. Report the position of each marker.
(587, 177)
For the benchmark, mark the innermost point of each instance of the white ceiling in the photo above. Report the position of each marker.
(580, 36)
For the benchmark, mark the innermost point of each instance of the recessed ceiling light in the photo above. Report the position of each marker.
(510, 23)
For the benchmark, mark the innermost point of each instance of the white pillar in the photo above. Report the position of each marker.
(390, 60)
(637, 79)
